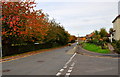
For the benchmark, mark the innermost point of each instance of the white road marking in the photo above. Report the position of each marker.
(68, 74)
(66, 65)
(71, 68)
(61, 70)
(72, 64)
(69, 71)
(58, 74)
(70, 59)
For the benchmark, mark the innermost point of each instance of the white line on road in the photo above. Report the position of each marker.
(61, 70)
(72, 64)
(66, 65)
(58, 74)
(70, 59)
(69, 71)
(71, 68)
(67, 74)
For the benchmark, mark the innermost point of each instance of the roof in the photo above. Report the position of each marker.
(90, 35)
(116, 18)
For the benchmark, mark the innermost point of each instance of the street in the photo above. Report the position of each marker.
(63, 61)
(54, 38)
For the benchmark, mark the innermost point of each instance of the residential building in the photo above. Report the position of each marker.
(116, 27)
(89, 36)
(82, 38)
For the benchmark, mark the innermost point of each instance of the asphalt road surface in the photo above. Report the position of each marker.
(63, 61)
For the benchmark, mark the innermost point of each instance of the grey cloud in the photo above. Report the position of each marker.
(82, 17)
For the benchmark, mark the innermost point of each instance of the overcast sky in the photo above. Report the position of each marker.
(81, 16)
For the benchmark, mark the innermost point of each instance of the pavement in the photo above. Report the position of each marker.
(111, 48)
(65, 62)
(85, 65)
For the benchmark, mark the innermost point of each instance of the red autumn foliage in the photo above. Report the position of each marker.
(21, 21)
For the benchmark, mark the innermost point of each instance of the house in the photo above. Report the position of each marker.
(82, 38)
(89, 36)
(116, 27)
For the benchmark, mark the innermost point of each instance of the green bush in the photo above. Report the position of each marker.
(97, 42)
(102, 44)
(116, 45)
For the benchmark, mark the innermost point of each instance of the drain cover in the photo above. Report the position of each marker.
(66, 50)
(40, 61)
(6, 70)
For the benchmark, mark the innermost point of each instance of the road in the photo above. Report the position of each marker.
(63, 61)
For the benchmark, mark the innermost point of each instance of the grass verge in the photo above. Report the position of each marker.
(95, 48)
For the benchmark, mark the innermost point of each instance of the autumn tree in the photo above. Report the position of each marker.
(103, 32)
(72, 38)
(56, 34)
(96, 35)
(20, 22)
(23, 25)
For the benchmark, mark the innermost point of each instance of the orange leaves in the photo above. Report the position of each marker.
(3, 33)
(35, 25)
(42, 15)
(23, 32)
(72, 38)
(32, 3)
(21, 21)
(10, 33)
(11, 24)
(2, 18)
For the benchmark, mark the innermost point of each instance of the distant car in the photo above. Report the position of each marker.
(69, 44)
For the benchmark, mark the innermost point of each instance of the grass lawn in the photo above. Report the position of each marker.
(95, 48)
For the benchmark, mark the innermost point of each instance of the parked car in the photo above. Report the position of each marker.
(69, 44)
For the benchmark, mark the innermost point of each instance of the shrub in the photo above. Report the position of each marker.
(104, 46)
(101, 43)
(116, 45)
